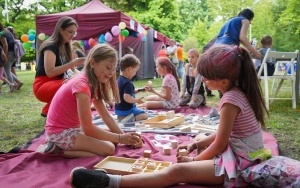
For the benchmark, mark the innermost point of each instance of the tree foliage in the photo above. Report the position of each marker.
(191, 22)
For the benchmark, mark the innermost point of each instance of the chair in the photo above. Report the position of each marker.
(288, 74)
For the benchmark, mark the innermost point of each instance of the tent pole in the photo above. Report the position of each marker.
(120, 47)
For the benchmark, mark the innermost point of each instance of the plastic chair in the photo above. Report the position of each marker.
(288, 74)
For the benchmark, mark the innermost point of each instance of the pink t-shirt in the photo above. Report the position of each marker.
(170, 81)
(245, 123)
(63, 112)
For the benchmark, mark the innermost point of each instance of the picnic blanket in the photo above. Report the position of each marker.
(27, 168)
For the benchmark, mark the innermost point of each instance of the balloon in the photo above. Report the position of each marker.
(125, 32)
(81, 43)
(108, 37)
(145, 32)
(26, 45)
(24, 38)
(121, 38)
(101, 39)
(115, 30)
(86, 44)
(31, 37)
(42, 36)
(92, 42)
(144, 38)
(122, 25)
(31, 31)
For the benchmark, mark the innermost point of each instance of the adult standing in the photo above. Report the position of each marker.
(234, 32)
(180, 60)
(8, 43)
(172, 52)
(55, 59)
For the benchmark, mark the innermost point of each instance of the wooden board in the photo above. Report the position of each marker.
(124, 166)
(161, 121)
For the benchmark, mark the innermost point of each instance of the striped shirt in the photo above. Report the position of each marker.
(245, 123)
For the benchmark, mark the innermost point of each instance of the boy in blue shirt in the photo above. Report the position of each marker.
(126, 110)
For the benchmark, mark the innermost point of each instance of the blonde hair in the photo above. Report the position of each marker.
(101, 91)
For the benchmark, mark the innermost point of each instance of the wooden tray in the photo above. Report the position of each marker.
(124, 166)
(161, 121)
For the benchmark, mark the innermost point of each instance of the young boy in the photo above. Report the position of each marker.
(266, 42)
(126, 110)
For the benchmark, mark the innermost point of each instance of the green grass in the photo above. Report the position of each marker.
(20, 118)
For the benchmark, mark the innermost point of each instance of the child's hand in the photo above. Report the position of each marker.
(183, 159)
(130, 138)
(189, 148)
(140, 100)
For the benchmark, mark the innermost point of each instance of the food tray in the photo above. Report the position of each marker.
(161, 121)
(124, 166)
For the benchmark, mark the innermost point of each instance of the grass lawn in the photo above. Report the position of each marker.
(20, 118)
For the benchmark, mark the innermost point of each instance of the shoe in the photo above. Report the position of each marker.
(43, 115)
(19, 86)
(128, 118)
(49, 148)
(81, 177)
(12, 88)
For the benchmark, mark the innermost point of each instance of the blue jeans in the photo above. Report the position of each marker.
(179, 68)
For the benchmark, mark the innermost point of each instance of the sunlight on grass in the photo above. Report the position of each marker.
(21, 121)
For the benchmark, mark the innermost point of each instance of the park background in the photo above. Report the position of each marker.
(190, 22)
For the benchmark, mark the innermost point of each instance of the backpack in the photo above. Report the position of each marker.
(19, 50)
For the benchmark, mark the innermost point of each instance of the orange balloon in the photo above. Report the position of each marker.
(24, 38)
(121, 38)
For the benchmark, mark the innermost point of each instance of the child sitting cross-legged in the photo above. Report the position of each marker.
(168, 97)
(192, 87)
(126, 109)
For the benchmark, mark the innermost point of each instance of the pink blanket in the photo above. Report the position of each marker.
(31, 169)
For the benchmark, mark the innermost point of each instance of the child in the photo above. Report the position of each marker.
(266, 42)
(227, 152)
(69, 123)
(126, 109)
(192, 86)
(168, 98)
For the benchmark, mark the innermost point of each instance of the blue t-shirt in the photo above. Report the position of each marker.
(125, 86)
(230, 32)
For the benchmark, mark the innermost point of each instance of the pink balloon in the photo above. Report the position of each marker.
(115, 30)
(108, 37)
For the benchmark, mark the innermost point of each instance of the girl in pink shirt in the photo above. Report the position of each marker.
(222, 156)
(168, 98)
(69, 127)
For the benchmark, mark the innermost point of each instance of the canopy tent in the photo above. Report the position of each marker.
(95, 18)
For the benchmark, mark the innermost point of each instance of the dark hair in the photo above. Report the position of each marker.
(266, 41)
(56, 38)
(235, 64)
(247, 13)
(129, 60)
(165, 62)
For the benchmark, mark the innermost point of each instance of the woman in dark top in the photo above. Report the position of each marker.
(55, 59)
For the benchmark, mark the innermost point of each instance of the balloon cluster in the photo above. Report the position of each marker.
(29, 39)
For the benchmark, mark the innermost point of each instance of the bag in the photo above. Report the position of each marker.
(19, 50)
(1, 60)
